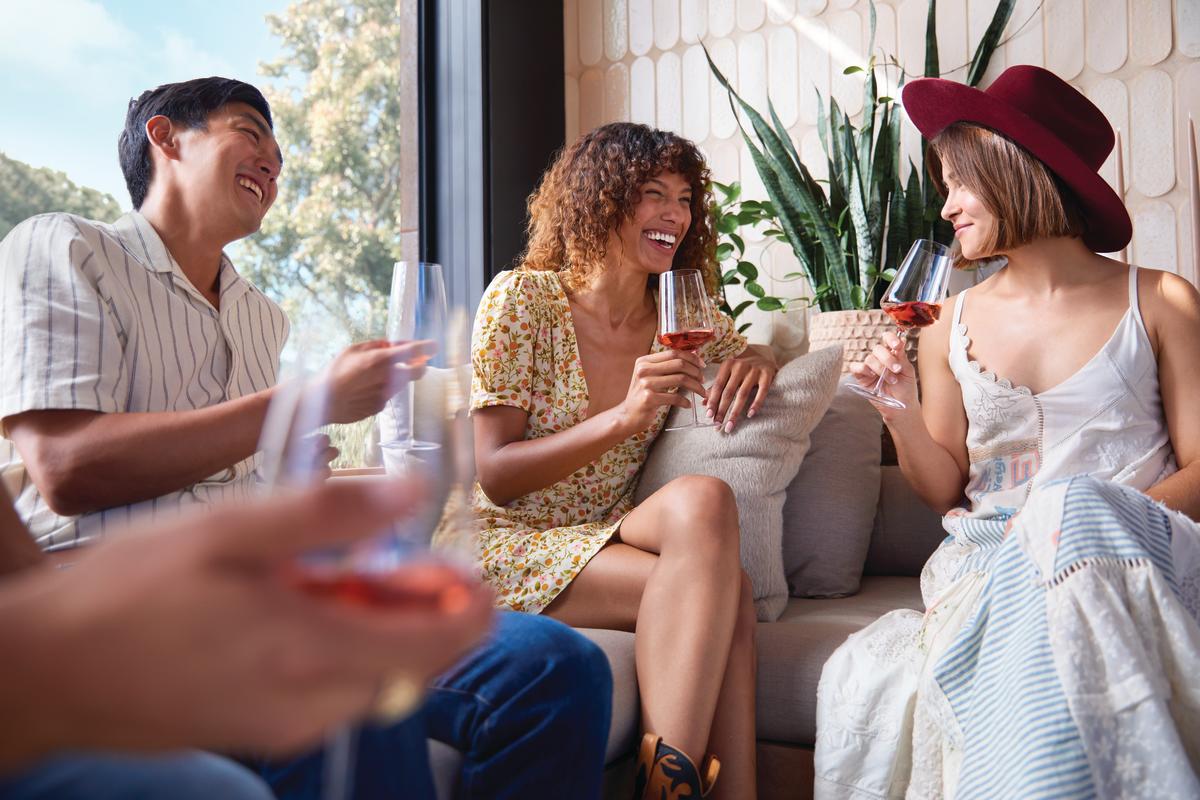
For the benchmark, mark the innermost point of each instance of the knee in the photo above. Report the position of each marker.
(203, 775)
(706, 511)
(746, 626)
(574, 665)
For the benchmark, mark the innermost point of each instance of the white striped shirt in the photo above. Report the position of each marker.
(100, 317)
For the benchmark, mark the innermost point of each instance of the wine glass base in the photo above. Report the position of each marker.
(690, 426)
(406, 445)
(874, 397)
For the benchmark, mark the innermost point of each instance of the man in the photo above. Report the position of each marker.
(137, 368)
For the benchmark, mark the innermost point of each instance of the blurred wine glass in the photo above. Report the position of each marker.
(416, 311)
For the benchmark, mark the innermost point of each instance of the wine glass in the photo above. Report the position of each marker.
(913, 300)
(416, 311)
(685, 319)
(396, 569)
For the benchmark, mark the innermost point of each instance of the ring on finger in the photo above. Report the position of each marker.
(398, 696)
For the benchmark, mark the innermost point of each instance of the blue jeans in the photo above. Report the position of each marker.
(529, 710)
(183, 776)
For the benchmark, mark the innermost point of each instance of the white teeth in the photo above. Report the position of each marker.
(659, 236)
(252, 186)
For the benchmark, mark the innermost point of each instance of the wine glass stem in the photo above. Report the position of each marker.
(878, 390)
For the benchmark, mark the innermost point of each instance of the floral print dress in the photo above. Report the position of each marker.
(524, 354)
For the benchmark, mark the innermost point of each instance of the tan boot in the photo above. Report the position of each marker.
(664, 773)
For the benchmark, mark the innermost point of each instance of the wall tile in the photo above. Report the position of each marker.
(847, 31)
(1154, 235)
(1187, 259)
(910, 145)
(669, 92)
(814, 67)
(1187, 101)
(642, 106)
(722, 16)
(813, 155)
(616, 29)
(751, 14)
(1112, 98)
(1025, 27)
(810, 8)
(693, 20)
(616, 93)
(1187, 27)
(783, 74)
(591, 32)
(910, 35)
(723, 161)
(571, 97)
(591, 100)
(571, 37)
(1150, 31)
(843, 5)
(780, 11)
(885, 49)
(979, 16)
(641, 26)
(954, 54)
(752, 187)
(1151, 138)
(1064, 48)
(1108, 34)
(752, 71)
(696, 94)
(666, 23)
(724, 55)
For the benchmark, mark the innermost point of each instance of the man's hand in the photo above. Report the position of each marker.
(365, 375)
(190, 635)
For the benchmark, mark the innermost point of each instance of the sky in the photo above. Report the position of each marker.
(69, 67)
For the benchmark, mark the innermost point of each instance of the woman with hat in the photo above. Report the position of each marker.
(1059, 653)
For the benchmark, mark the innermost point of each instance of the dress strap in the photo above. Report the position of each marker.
(1133, 292)
(958, 307)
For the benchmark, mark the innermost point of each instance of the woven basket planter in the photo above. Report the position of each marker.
(856, 331)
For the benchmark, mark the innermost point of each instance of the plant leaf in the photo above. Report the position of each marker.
(724, 251)
(931, 48)
(770, 304)
(989, 42)
(748, 269)
(755, 289)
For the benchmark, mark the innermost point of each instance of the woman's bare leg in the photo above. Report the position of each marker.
(733, 735)
(683, 604)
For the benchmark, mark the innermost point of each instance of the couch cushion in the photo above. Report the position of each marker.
(758, 460)
(792, 650)
(626, 710)
(830, 507)
(906, 530)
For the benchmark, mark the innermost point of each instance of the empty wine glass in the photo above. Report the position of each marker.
(416, 311)
(913, 300)
(685, 319)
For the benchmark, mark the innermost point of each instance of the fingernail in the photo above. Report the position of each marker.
(893, 380)
(895, 367)
(750, 413)
(729, 427)
(710, 414)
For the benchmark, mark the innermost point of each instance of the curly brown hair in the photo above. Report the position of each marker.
(595, 184)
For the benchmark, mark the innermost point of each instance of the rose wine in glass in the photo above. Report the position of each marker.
(685, 319)
(913, 300)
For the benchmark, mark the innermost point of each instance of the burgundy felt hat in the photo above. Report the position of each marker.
(1052, 120)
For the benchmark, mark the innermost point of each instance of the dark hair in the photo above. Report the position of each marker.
(594, 185)
(188, 103)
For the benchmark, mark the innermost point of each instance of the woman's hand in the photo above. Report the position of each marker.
(900, 380)
(660, 379)
(751, 372)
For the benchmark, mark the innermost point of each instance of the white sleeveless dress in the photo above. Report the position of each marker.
(1059, 653)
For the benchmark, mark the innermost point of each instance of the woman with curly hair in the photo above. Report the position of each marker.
(570, 389)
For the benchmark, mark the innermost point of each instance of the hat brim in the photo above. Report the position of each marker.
(933, 104)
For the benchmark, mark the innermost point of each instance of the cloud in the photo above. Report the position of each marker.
(180, 58)
(60, 38)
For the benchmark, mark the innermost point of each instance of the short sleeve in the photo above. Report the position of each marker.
(502, 342)
(726, 341)
(59, 344)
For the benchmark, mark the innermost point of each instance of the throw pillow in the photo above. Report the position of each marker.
(830, 507)
(906, 530)
(757, 460)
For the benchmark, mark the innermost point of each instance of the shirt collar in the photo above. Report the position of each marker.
(144, 245)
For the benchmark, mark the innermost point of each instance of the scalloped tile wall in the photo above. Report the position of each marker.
(1138, 60)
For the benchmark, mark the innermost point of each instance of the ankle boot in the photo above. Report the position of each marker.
(664, 773)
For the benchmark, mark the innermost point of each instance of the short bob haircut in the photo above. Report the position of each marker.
(1027, 199)
(594, 185)
(188, 103)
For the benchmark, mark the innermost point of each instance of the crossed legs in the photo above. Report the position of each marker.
(674, 577)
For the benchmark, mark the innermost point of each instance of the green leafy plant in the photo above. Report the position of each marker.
(851, 231)
(730, 215)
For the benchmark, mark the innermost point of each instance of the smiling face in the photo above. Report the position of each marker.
(649, 239)
(231, 167)
(974, 224)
